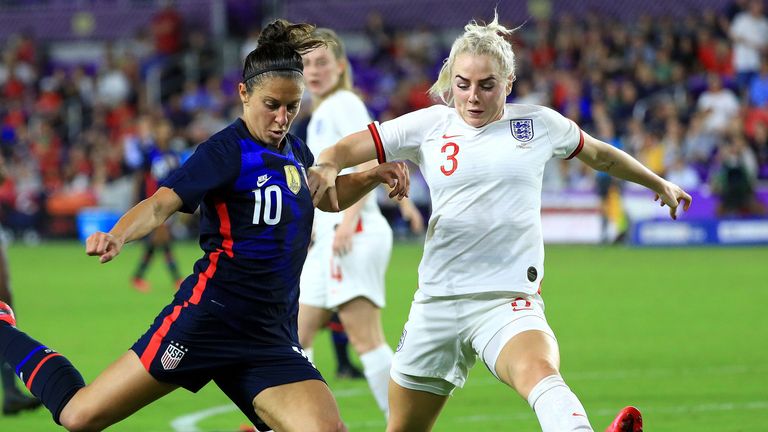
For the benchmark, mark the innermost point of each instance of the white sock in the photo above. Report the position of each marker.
(376, 364)
(310, 353)
(557, 408)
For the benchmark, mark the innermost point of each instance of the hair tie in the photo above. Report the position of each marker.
(271, 69)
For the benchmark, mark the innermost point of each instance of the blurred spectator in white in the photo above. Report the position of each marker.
(250, 42)
(13, 65)
(698, 145)
(719, 104)
(112, 85)
(749, 32)
(526, 94)
(682, 174)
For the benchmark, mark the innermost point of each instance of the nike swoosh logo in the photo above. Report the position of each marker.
(578, 415)
(260, 182)
(451, 136)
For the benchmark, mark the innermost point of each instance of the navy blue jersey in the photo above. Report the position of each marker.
(255, 228)
(157, 167)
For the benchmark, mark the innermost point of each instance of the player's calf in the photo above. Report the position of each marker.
(45, 373)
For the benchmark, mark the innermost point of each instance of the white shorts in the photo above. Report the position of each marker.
(444, 336)
(328, 281)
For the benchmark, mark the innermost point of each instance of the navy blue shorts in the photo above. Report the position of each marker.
(189, 347)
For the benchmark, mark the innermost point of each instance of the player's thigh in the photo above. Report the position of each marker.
(513, 338)
(298, 407)
(413, 410)
(122, 389)
(430, 345)
(362, 322)
(526, 359)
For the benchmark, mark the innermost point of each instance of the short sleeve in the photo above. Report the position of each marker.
(302, 152)
(213, 165)
(401, 138)
(564, 135)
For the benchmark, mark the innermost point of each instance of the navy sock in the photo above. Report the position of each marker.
(46, 373)
(170, 261)
(340, 341)
(149, 251)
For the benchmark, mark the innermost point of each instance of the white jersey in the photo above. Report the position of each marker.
(485, 183)
(339, 115)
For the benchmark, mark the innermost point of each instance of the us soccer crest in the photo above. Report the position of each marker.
(522, 129)
(292, 178)
(173, 355)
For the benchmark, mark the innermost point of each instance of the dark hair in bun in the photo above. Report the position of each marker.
(279, 51)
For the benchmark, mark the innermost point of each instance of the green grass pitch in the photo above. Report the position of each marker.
(680, 333)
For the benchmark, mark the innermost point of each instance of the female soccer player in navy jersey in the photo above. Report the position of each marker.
(483, 263)
(234, 320)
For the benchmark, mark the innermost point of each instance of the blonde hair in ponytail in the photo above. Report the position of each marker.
(477, 39)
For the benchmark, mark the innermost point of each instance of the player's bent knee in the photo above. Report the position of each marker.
(326, 425)
(527, 373)
(78, 420)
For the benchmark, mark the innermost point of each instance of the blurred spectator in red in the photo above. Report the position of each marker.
(167, 29)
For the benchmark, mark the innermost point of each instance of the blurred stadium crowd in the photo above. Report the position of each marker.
(686, 96)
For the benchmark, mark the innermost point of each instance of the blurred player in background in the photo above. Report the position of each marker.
(14, 400)
(483, 265)
(159, 162)
(234, 320)
(348, 260)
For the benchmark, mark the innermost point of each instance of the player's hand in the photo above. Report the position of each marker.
(104, 245)
(396, 176)
(321, 180)
(672, 195)
(342, 239)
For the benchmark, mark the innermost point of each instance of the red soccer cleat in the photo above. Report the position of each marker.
(628, 420)
(140, 285)
(6, 314)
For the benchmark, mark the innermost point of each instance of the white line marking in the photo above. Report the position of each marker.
(188, 422)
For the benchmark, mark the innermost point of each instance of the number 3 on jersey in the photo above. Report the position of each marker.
(271, 196)
(450, 149)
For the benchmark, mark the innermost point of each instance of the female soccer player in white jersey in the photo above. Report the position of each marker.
(483, 260)
(346, 265)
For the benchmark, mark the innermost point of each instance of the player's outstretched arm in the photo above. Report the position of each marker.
(350, 188)
(137, 222)
(604, 157)
(350, 151)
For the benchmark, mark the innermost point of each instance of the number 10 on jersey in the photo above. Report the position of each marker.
(268, 205)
